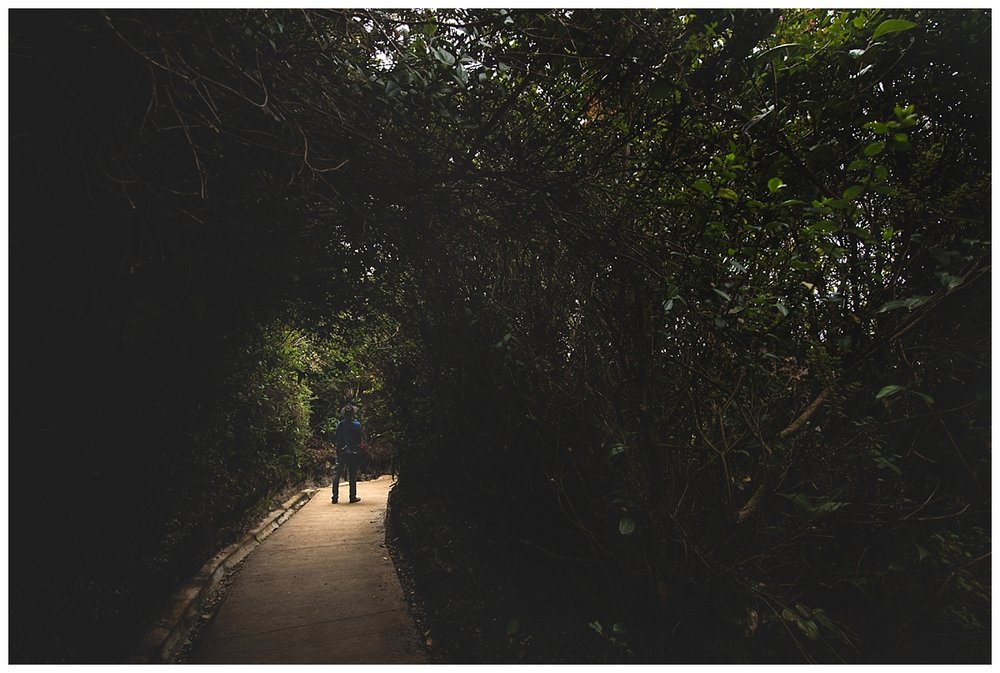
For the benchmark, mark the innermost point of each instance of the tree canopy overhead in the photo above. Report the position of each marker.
(701, 296)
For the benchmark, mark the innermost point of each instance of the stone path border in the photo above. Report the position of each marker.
(166, 637)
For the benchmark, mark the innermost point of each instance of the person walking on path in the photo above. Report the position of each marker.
(347, 438)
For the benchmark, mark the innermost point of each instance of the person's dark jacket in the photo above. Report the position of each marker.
(347, 437)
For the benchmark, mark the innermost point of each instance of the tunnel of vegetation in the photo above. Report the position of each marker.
(693, 304)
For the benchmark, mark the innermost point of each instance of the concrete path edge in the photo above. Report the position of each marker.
(162, 642)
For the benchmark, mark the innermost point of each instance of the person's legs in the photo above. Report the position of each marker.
(352, 475)
(338, 469)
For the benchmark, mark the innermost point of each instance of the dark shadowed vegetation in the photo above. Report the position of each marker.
(675, 325)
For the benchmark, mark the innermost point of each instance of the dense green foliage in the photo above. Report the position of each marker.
(702, 297)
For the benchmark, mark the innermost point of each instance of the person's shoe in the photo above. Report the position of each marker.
(355, 499)
(333, 500)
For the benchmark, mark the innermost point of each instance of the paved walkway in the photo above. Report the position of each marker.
(319, 590)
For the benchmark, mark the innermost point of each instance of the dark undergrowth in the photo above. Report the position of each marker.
(484, 588)
(480, 595)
